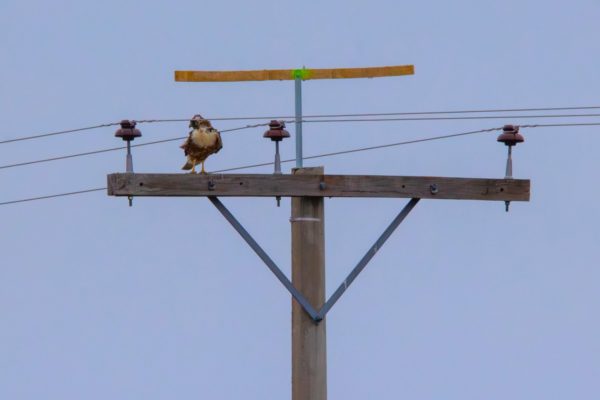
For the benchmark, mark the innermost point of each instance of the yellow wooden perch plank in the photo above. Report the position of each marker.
(290, 74)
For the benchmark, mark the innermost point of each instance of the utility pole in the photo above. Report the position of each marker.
(308, 188)
(309, 347)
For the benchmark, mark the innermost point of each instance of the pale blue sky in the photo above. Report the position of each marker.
(164, 300)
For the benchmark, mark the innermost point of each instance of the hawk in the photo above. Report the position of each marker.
(203, 141)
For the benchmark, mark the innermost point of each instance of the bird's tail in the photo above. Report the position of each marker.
(188, 165)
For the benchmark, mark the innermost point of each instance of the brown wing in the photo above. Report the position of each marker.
(219, 144)
(187, 144)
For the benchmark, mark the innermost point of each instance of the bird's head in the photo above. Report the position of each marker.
(197, 122)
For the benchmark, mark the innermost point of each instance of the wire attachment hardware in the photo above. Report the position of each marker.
(128, 132)
(277, 133)
(510, 137)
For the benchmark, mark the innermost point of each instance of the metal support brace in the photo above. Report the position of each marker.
(298, 104)
(310, 310)
(266, 259)
(366, 258)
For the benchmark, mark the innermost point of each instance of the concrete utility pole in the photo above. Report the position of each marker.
(308, 188)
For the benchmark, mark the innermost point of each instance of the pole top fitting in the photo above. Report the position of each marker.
(127, 131)
(276, 132)
(510, 135)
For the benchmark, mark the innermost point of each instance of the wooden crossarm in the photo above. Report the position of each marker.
(266, 185)
(290, 74)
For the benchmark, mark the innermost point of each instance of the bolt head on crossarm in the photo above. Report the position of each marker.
(128, 131)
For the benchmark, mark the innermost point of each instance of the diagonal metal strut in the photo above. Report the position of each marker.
(366, 258)
(310, 310)
(265, 257)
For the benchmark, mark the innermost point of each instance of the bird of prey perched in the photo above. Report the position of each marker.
(203, 141)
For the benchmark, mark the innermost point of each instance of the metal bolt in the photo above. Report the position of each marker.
(433, 188)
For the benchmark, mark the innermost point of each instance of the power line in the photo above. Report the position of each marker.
(87, 128)
(271, 163)
(512, 117)
(38, 136)
(356, 150)
(360, 149)
(558, 125)
(20, 164)
(89, 153)
(58, 133)
(453, 112)
(52, 196)
(285, 161)
(387, 114)
(405, 143)
(236, 168)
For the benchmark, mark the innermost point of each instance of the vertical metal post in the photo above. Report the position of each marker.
(277, 170)
(508, 173)
(509, 164)
(129, 159)
(298, 96)
(129, 168)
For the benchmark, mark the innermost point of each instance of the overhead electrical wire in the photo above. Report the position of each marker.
(411, 113)
(497, 110)
(51, 196)
(451, 112)
(512, 117)
(87, 128)
(360, 149)
(56, 133)
(270, 163)
(428, 139)
(559, 125)
(88, 153)
(355, 150)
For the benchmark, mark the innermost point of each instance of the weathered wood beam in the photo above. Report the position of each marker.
(267, 185)
(290, 74)
(309, 340)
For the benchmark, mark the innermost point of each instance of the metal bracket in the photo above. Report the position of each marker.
(367, 257)
(310, 310)
(264, 256)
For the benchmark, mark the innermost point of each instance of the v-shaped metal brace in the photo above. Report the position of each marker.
(317, 316)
